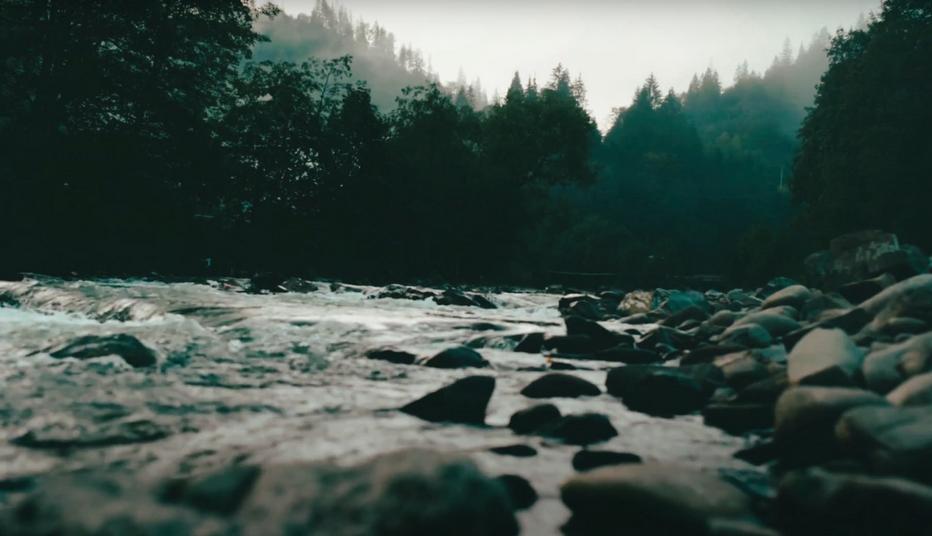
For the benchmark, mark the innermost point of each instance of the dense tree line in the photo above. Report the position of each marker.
(866, 154)
(141, 137)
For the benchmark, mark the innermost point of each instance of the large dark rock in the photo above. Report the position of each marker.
(407, 492)
(737, 417)
(890, 440)
(518, 450)
(600, 337)
(580, 429)
(883, 369)
(457, 357)
(527, 421)
(825, 357)
(816, 502)
(401, 292)
(656, 390)
(805, 420)
(859, 291)
(519, 490)
(862, 255)
(910, 298)
(916, 391)
(649, 499)
(532, 343)
(462, 401)
(465, 299)
(557, 384)
(127, 347)
(392, 356)
(586, 460)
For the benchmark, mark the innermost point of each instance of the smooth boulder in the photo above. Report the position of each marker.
(825, 357)
(649, 499)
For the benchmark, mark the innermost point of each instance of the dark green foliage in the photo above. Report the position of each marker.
(139, 136)
(866, 155)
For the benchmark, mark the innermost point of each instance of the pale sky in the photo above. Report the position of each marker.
(614, 45)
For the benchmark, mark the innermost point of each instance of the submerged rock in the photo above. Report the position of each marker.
(463, 401)
(125, 346)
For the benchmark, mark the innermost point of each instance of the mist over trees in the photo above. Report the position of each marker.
(185, 137)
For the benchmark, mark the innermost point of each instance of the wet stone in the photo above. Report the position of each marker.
(529, 420)
(463, 401)
(127, 347)
(586, 460)
(560, 385)
(519, 490)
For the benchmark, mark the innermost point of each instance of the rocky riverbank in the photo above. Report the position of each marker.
(285, 407)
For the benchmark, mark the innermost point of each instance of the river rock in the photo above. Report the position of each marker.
(649, 499)
(601, 338)
(580, 429)
(805, 419)
(910, 298)
(406, 492)
(527, 421)
(738, 417)
(816, 502)
(746, 335)
(892, 440)
(401, 292)
(457, 357)
(626, 354)
(463, 401)
(859, 291)
(916, 391)
(531, 343)
(793, 295)
(825, 357)
(693, 312)
(886, 368)
(519, 490)
(679, 301)
(656, 390)
(125, 346)
(557, 384)
(586, 460)
(776, 323)
(97, 503)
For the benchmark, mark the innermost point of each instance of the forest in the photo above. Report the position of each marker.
(192, 137)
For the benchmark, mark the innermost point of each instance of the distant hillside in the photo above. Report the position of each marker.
(331, 31)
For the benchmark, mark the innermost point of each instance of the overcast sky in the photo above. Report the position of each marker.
(614, 45)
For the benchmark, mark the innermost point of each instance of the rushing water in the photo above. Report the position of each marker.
(274, 378)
